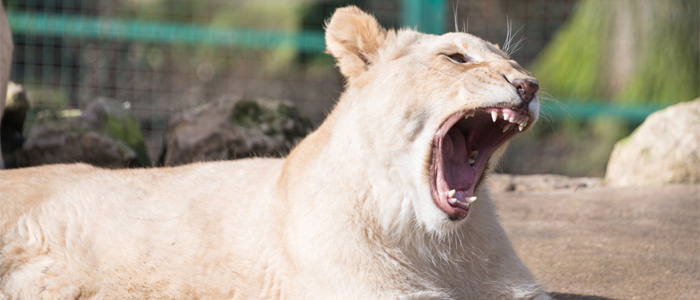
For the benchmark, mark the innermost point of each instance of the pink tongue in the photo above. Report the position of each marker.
(458, 173)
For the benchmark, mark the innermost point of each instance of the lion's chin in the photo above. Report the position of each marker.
(462, 147)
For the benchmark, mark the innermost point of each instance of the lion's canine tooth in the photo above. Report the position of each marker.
(452, 200)
(520, 127)
(451, 193)
(471, 199)
(505, 128)
(494, 116)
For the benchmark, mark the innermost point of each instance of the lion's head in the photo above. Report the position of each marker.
(433, 112)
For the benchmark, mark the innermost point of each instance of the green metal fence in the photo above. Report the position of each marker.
(105, 29)
(428, 16)
(69, 52)
(576, 109)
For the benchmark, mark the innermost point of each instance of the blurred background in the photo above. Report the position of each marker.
(603, 66)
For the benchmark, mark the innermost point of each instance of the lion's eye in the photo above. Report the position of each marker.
(458, 58)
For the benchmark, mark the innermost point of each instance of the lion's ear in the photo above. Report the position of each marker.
(354, 37)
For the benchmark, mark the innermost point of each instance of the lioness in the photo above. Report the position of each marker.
(383, 201)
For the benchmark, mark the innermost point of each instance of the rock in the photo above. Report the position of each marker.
(544, 182)
(6, 46)
(105, 134)
(12, 125)
(119, 123)
(233, 128)
(664, 149)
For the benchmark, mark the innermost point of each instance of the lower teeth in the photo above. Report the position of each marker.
(472, 157)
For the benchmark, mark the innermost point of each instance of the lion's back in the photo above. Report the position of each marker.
(22, 190)
(148, 225)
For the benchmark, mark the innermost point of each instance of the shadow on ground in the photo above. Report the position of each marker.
(560, 296)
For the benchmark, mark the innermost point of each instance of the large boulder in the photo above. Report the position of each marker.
(105, 134)
(664, 149)
(6, 46)
(233, 128)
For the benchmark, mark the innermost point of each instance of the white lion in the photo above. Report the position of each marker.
(383, 201)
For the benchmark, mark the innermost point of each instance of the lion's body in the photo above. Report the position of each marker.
(347, 215)
(135, 232)
(141, 234)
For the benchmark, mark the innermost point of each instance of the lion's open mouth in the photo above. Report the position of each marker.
(462, 147)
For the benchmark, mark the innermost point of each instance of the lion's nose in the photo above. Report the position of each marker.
(526, 88)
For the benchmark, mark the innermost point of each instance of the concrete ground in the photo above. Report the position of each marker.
(599, 243)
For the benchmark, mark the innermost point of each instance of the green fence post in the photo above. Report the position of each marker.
(427, 15)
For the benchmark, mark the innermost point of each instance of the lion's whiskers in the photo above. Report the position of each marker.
(546, 116)
(508, 45)
(455, 12)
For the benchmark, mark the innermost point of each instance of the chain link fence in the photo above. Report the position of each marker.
(162, 56)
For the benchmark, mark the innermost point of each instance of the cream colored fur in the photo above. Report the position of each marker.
(347, 215)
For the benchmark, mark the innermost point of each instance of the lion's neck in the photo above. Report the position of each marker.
(336, 170)
(335, 192)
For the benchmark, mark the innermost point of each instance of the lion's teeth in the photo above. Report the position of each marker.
(452, 200)
(469, 114)
(520, 127)
(472, 156)
(506, 116)
(471, 199)
(451, 193)
(494, 116)
(505, 128)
